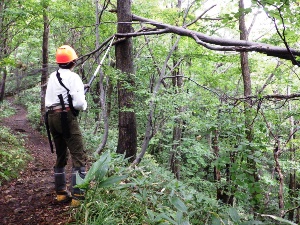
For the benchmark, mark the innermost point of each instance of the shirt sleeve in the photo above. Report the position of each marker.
(77, 92)
(50, 95)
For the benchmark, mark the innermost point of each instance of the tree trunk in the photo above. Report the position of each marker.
(216, 150)
(175, 152)
(222, 192)
(2, 84)
(127, 142)
(292, 180)
(277, 152)
(177, 81)
(174, 159)
(247, 106)
(96, 97)
(3, 52)
(45, 59)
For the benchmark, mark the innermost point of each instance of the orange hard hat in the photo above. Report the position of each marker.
(65, 54)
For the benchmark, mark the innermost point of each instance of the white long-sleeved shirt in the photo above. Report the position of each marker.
(73, 82)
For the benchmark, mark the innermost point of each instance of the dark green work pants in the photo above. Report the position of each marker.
(74, 143)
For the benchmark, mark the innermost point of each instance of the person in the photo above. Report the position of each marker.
(64, 99)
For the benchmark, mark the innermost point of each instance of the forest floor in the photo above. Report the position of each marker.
(30, 199)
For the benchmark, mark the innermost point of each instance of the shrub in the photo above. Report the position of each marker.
(6, 110)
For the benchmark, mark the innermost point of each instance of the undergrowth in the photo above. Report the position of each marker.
(117, 193)
(13, 155)
(6, 110)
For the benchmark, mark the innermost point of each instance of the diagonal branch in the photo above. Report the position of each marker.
(216, 43)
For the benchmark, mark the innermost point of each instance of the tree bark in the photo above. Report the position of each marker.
(3, 50)
(45, 59)
(2, 84)
(248, 103)
(216, 150)
(292, 175)
(177, 81)
(277, 152)
(127, 142)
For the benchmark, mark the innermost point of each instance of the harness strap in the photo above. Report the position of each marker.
(60, 81)
(74, 111)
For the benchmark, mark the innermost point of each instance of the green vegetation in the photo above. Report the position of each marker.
(147, 194)
(13, 155)
(6, 110)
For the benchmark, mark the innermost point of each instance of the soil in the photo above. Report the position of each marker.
(30, 199)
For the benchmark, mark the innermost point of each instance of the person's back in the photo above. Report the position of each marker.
(64, 98)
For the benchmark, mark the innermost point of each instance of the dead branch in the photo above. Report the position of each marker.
(215, 43)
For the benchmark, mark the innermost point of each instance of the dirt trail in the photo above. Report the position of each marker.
(30, 199)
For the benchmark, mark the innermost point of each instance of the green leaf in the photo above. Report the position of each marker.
(179, 205)
(164, 216)
(98, 168)
(150, 214)
(102, 171)
(234, 215)
(79, 180)
(111, 180)
(279, 219)
(215, 221)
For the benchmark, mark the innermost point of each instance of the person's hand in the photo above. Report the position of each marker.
(86, 86)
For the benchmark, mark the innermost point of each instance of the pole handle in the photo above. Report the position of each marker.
(98, 67)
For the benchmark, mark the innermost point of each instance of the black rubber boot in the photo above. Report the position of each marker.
(62, 194)
(77, 193)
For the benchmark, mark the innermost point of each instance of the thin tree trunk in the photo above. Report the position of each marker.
(216, 150)
(148, 133)
(45, 59)
(247, 106)
(96, 97)
(2, 84)
(292, 180)
(174, 159)
(175, 152)
(127, 142)
(277, 152)
(3, 70)
(222, 193)
(104, 114)
(102, 96)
